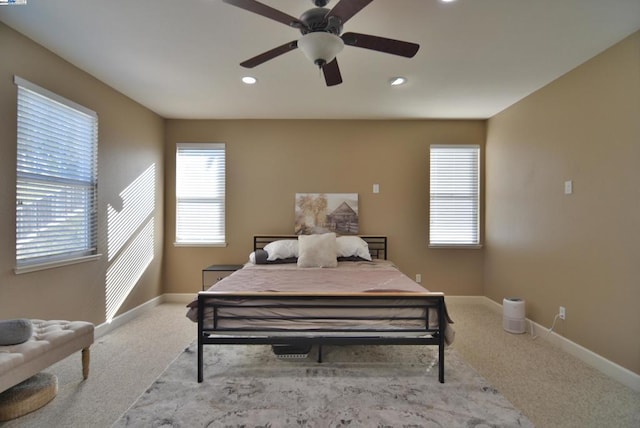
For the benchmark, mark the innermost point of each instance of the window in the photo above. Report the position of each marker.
(200, 194)
(56, 180)
(454, 196)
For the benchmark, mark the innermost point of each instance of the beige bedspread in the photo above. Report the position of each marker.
(351, 277)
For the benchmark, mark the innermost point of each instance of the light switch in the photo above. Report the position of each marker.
(376, 188)
(568, 187)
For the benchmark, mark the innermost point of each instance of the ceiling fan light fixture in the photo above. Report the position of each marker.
(397, 81)
(249, 80)
(320, 47)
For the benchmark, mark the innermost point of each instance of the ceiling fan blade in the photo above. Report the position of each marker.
(331, 73)
(266, 56)
(345, 9)
(381, 44)
(267, 12)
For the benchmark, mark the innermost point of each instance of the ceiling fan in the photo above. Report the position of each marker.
(321, 39)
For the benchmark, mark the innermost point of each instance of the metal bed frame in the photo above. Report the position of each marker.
(210, 333)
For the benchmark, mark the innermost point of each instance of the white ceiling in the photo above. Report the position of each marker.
(180, 58)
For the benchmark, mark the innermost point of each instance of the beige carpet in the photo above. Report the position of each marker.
(551, 388)
(124, 363)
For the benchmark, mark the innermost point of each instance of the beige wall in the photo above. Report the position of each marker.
(576, 250)
(580, 250)
(268, 162)
(130, 141)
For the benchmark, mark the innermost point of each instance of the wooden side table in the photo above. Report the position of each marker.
(220, 272)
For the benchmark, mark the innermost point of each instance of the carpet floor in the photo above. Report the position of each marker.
(552, 388)
(355, 386)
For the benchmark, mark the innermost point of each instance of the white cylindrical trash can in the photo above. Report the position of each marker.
(513, 319)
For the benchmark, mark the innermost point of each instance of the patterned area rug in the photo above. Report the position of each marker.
(354, 386)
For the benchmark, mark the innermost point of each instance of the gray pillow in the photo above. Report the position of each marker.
(262, 258)
(14, 332)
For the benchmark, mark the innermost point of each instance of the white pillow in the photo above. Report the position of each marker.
(349, 246)
(282, 249)
(317, 250)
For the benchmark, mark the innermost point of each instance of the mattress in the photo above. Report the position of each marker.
(375, 278)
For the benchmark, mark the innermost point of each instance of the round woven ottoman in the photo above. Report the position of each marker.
(28, 396)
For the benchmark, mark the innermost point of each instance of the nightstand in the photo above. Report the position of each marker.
(220, 271)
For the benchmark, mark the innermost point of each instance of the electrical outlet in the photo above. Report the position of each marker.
(568, 187)
(418, 278)
(562, 313)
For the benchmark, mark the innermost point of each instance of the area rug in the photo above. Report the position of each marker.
(354, 386)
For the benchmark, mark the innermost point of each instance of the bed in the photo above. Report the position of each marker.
(320, 290)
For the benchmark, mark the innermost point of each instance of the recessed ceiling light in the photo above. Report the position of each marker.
(447, 1)
(397, 81)
(249, 80)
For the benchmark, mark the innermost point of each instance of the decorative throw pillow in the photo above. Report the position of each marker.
(353, 246)
(317, 250)
(282, 249)
(14, 332)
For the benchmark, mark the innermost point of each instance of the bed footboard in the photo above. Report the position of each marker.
(322, 319)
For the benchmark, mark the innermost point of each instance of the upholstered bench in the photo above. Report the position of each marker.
(50, 342)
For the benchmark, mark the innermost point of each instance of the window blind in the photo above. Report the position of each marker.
(454, 195)
(56, 178)
(200, 193)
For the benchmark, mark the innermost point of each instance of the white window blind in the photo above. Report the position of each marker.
(56, 180)
(200, 194)
(454, 196)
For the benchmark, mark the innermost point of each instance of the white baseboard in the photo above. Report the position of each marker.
(121, 319)
(466, 299)
(609, 368)
(179, 297)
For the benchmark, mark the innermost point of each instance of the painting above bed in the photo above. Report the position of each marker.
(326, 212)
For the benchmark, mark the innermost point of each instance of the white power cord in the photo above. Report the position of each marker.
(553, 325)
(534, 337)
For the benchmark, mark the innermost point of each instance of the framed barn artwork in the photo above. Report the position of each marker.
(326, 212)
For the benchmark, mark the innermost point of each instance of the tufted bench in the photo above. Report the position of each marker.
(50, 342)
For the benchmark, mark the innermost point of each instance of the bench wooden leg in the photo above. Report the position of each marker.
(86, 356)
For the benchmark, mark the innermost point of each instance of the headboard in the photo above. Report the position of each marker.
(377, 244)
